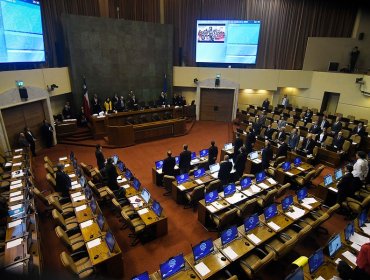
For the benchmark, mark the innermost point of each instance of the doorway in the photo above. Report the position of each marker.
(216, 104)
(330, 102)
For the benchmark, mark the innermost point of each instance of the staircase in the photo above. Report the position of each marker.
(81, 137)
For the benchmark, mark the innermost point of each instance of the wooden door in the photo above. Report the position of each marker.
(18, 117)
(216, 104)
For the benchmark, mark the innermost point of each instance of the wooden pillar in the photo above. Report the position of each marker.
(104, 8)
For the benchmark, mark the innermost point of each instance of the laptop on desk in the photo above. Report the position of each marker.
(157, 208)
(210, 197)
(136, 184)
(362, 218)
(199, 173)
(328, 180)
(297, 274)
(287, 203)
(229, 190)
(159, 165)
(202, 250)
(260, 177)
(203, 153)
(270, 212)
(338, 173)
(316, 261)
(286, 166)
(213, 169)
(297, 161)
(182, 178)
(245, 183)
(251, 222)
(334, 245)
(142, 276)
(145, 194)
(228, 146)
(229, 235)
(301, 194)
(172, 266)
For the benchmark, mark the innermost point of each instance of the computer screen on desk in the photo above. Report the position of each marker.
(253, 155)
(338, 174)
(128, 174)
(100, 220)
(88, 192)
(286, 166)
(177, 159)
(74, 163)
(136, 184)
(229, 189)
(245, 183)
(182, 178)
(228, 146)
(115, 159)
(121, 166)
(296, 275)
(260, 176)
(193, 155)
(362, 218)
(297, 161)
(145, 194)
(211, 196)
(157, 208)
(229, 235)
(203, 249)
(270, 211)
(199, 173)
(109, 239)
(328, 179)
(316, 260)
(214, 167)
(349, 230)
(302, 194)
(251, 222)
(93, 205)
(203, 153)
(334, 245)
(287, 202)
(142, 276)
(159, 164)
(172, 266)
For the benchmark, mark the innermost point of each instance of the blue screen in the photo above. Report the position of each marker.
(270, 211)
(128, 174)
(338, 174)
(136, 184)
(287, 202)
(199, 173)
(316, 260)
(172, 266)
(93, 205)
(297, 161)
(109, 239)
(177, 159)
(182, 178)
(159, 164)
(227, 41)
(115, 159)
(251, 222)
(334, 245)
(157, 208)
(229, 235)
(245, 183)
(328, 179)
(260, 176)
(362, 218)
(296, 275)
(349, 230)
(211, 196)
(286, 166)
(203, 249)
(121, 166)
(193, 155)
(21, 35)
(100, 220)
(71, 156)
(145, 194)
(88, 193)
(142, 276)
(229, 189)
(302, 194)
(203, 153)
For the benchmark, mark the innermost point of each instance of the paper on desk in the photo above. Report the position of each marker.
(76, 186)
(236, 197)
(143, 211)
(263, 186)
(273, 226)
(202, 269)
(257, 161)
(366, 229)
(255, 189)
(80, 208)
(18, 156)
(8, 164)
(337, 260)
(18, 150)
(75, 194)
(296, 214)
(254, 238)
(300, 168)
(199, 181)
(72, 175)
(67, 165)
(181, 187)
(159, 171)
(289, 174)
(176, 167)
(332, 189)
(356, 246)
(17, 164)
(16, 182)
(229, 252)
(211, 208)
(14, 243)
(271, 181)
(309, 200)
(93, 243)
(16, 174)
(74, 182)
(79, 198)
(359, 239)
(15, 223)
(349, 256)
(16, 198)
(306, 205)
(320, 278)
(127, 186)
(15, 193)
(62, 158)
(247, 193)
(214, 175)
(217, 205)
(15, 207)
(86, 224)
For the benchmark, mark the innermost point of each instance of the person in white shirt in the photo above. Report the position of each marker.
(360, 169)
(285, 101)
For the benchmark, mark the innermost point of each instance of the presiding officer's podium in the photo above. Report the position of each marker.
(121, 136)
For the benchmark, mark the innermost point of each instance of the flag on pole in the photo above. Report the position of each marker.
(86, 103)
(165, 84)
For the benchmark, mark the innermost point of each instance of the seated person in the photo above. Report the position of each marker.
(337, 126)
(322, 136)
(281, 136)
(308, 144)
(338, 142)
(95, 105)
(307, 117)
(293, 139)
(268, 132)
(225, 168)
(108, 107)
(315, 128)
(62, 180)
(282, 123)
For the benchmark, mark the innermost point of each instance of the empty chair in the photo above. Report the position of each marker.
(346, 146)
(305, 180)
(48, 161)
(255, 261)
(137, 227)
(45, 196)
(66, 223)
(318, 171)
(127, 209)
(101, 193)
(267, 199)
(87, 169)
(64, 209)
(194, 196)
(74, 242)
(4, 174)
(280, 245)
(167, 184)
(51, 180)
(355, 206)
(328, 141)
(225, 219)
(356, 139)
(214, 185)
(82, 267)
(281, 191)
(247, 208)
(48, 169)
(277, 161)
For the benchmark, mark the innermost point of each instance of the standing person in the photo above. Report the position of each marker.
(67, 113)
(22, 141)
(285, 101)
(225, 168)
(95, 104)
(184, 161)
(315, 128)
(293, 139)
(162, 99)
(337, 126)
(47, 133)
(308, 144)
(81, 117)
(115, 100)
(62, 180)
(212, 153)
(30, 139)
(345, 185)
(133, 102)
(322, 136)
(111, 175)
(324, 123)
(267, 155)
(250, 141)
(120, 106)
(169, 163)
(282, 150)
(265, 104)
(239, 164)
(360, 170)
(100, 160)
(108, 108)
(237, 144)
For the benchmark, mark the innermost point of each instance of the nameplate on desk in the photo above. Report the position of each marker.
(181, 187)
(229, 252)
(72, 175)
(159, 171)
(13, 194)
(16, 182)
(257, 161)
(16, 174)
(176, 167)
(254, 238)
(202, 269)
(8, 164)
(18, 150)
(86, 224)
(332, 189)
(305, 205)
(15, 207)
(15, 223)
(247, 192)
(93, 243)
(77, 186)
(74, 183)
(217, 205)
(62, 158)
(143, 211)
(309, 200)
(127, 186)
(263, 186)
(16, 198)
(337, 261)
(211, 208)
(18, 156)
(80, 208)
(273, 226)
(255, 189)
(289, 174)
(14, 243)
(100, 117)
(75, 194)
(194, 161)
(79, 198)
(351, 257)
(199, 181)
(271, 181)
(356, 246)
(67, 165)
(17, 164)
(300, 168)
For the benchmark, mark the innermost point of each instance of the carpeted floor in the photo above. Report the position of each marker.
(183, 226)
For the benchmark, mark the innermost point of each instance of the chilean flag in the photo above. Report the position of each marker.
(86, 103)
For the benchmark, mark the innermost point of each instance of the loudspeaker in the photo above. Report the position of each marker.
(180, 56)
(361, 36)
(23, 93)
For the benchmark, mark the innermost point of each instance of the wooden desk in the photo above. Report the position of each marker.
(240, 246)
(282, 176)
(281, 220)
(16, 253)
(84, 215)
(329, 158)
(91, 232)
(16, 231)
(224, 152)
(212, 261)
(328, 194)
(187, 274)
(203, 211)
(313, 206)
(262, 232)
(159, 224)
(178, 194)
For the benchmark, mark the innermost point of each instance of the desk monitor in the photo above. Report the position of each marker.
(296, 274)
(316, 260)
(100, 221)
(109, 239)
(228, 146)
(253, 155)
(136, 184)
(334, 245)
(172, 266)
(157, 208)
(297, 161)
(260, 176)
(286, 166)
(128, 174)
(302, 194)
(338, 174)
(287, 202)
(349, 230)
(145, 194)
(88, 193)
(229, 235)
(74, 163)
(93, 205)
(362, 218)
(245, 183)
(182, 178)
(71, 156)
(202, 249)
(177, 159)
(121, 166)
(199, 173)
(251, 222)
(328, 179)
(214, 167)
(193, 155)
(78, 170)
(211, 196)
(142, 276)
(115, 159)
(203, 153)
(270, 211)
(159, 164)
(82, 181)
(229, 189)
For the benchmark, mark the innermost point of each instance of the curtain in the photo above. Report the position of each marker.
(140, 10)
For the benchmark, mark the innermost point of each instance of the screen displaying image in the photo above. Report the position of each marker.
(260, 176)
(214, 167)
(142, 276)
(177, 159)
(158, 164)
(100, 220)
(121, 166)
(157, 208)
(362, 218)
(115, 159)
(229, 190)
(203, 249)
(301, 194)
(229, 235)
(182, 178)
(109, 239)
(211, 196)
(145, 194)
(253, 155)
(193, 155)
(228, 146)
(349, 230)
(297, 161)
(338, 174)
(203, 153)
(287, 202)
(328, 179)
(316, 260)
(199, 173)
(251, 222)
(270, 211)
(286, 166)
(21, 35)
(334, 245)
(172, 266)
(128, 174)
(136, 184)
(245, 183)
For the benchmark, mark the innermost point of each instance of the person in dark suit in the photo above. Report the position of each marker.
(250, 141)
(67, 113)
(345, 185)
(324, 123)
(63, 181)
(307, 117)
(281, 136)
(47, 133)
(31, 140)
(95, 105)
(237, 144)
(111, 175)
(257, 126)
(322, 136)
(169, 163)
(133, 102)
(162, 99)
(115, 100)
(282, 122)
(293, 139)
(282, 150)
(336, 127)
(212, 153)
(267, 155)
(121, 104)
(100, 160)
(265, 104)
(268, 132)
(239, 164)
(315, 128)
(308, 144)
(184, 161)
(225, 168)
(359, 130)
(338, 141)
